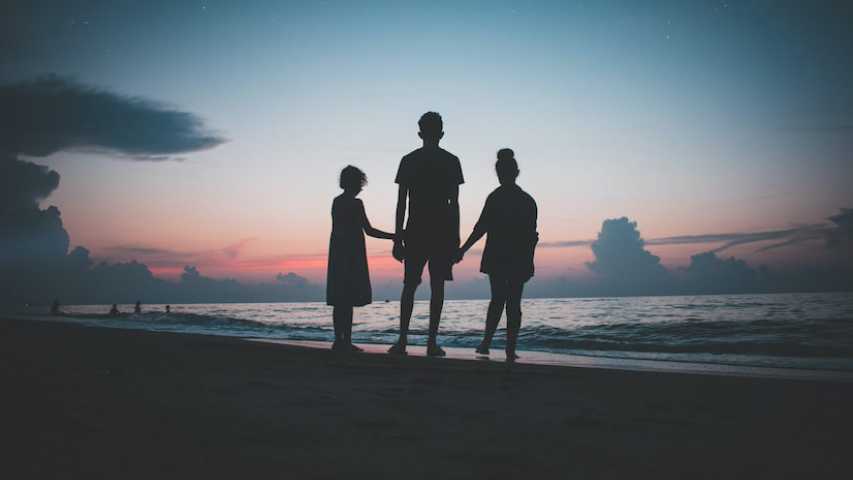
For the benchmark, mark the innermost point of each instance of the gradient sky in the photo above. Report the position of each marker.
(687, 117)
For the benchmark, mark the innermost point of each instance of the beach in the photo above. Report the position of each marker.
(89, 402)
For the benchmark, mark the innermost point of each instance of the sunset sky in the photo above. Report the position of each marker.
(690, 118)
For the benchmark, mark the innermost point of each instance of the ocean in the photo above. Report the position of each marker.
(806, 330)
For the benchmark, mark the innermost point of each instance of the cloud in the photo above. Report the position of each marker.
(291, 279)
(841, 236)
(840, 228)
(27, 232)
(708, 273)
(625, 267)
(50, 114)
(565, 244)
(173, 259)
(619, 252)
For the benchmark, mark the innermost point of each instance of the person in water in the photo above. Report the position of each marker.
(114, 310)
(348, 279)
(138, 307)
(168, 309)
(509, 221)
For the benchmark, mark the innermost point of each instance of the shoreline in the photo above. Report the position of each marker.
(533, 357)
(89, 402)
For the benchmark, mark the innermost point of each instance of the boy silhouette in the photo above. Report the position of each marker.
(428, 180)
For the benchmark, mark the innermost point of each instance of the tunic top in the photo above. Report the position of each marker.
(509, 219)
(348, 279)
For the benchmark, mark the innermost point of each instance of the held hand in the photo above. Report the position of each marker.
(399, 251)
(457, 257)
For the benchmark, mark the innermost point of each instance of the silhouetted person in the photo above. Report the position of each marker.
(114, 310)
(168, 309)
(54, 307)
(428, 180)
(509, 221)
(138, 307)
(348, 280)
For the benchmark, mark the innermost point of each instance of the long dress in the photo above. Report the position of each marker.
(348, 279)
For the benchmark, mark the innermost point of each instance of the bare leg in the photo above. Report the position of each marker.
(436, 304)
(347, 332)
(493, 316)
(513, 318)
(407, 304)
(339, 320)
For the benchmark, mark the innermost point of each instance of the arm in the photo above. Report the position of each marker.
(476, 235)
(368, 228)
(402, 198)
(454, 212)
(480, 229)
(376, 233)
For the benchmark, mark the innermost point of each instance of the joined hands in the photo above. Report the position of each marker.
(399, 251)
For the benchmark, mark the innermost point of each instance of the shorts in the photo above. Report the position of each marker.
(440, 268)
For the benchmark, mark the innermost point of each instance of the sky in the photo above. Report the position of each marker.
(689, 118)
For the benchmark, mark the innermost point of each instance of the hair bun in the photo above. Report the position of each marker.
(506, 154)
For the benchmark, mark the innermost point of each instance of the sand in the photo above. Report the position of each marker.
(83, 402)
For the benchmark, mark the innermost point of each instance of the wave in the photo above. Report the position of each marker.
(830, 337)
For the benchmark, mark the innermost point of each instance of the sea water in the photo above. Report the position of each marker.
(807, 330)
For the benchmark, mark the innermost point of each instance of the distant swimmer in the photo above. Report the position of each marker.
(54, 308)
(168, 309)
(114, 311)
(138, 307)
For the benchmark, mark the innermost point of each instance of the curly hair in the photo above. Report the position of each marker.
(431, 122)
(352, 178)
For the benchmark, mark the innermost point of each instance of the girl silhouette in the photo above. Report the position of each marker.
(348, 280)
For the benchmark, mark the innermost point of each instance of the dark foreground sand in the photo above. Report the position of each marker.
(81, 402)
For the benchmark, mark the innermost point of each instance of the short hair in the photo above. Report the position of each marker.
(431, 122)
(352, 178)
(506, 166)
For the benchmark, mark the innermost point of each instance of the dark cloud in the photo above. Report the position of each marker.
(291, 279)
(27, 232)
(620, 252)
(167, 258)
(625, 267)
(832, 233)
(841, 236)
(50, 114)
(44, 116)
(708, 273)
(565, 244)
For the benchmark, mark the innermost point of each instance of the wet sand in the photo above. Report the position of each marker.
(83, 402)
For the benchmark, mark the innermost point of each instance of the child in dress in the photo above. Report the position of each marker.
(348, 280)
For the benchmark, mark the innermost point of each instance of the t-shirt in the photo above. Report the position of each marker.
(431, 175)
(509, 218)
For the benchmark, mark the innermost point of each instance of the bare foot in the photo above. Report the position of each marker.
(433, 350)
(397, 349)
(355, 349)
(511, 357)
(482, 350)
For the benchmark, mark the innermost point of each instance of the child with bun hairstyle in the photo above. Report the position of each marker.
(508, 220)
